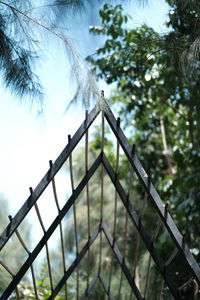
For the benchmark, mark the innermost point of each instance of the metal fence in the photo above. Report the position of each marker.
(120, 237)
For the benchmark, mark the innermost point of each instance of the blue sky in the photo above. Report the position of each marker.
(29, 141)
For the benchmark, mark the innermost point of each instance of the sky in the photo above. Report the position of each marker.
(29, 140)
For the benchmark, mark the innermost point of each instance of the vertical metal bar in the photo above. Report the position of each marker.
(153, 195)
(138, 241)
(34, 282)
(75, 263)
(34, 253)
(102, 187)
(196, 289)
(75, 220)
(63, 256)
(46, 245)
(135, 219)
(121, 261)
(89, 288)
(86, 170)
(157, 231)
(39, 217)
(13, 275)
(28, 252)
(172, 256)
(126, 231)
(149, 262)
(26, 207)
(106, 287)
(116, 171)
(138, 238)
(17, 293)
(115, 209)
(124, 254)
(60, 225)
(153, 240)
(88, 200)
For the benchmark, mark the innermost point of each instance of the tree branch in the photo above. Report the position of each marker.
(35, 21)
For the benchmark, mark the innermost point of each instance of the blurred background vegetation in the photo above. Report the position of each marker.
(156, 95)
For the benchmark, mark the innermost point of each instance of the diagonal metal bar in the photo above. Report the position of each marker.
(75, 263)
(100, 277)
(106, 287)
(50, 230)
(135, 219)
(90, 287)
(117, 253)
(146, 182)
(28, 252)
(48, 176)
(153, 195)
(121, 261)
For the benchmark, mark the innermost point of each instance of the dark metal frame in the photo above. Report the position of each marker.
(51, 229)
(54, 168)
(146, 183)
(102, 280)
(102, 227)
(153, 195)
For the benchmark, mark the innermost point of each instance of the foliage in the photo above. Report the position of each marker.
(150, 91)
(26, 291)
(184, 19)
(158, 102)
(17, 54)
(162, 103)
(23, 26)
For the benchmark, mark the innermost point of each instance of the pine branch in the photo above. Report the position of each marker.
(34, 21)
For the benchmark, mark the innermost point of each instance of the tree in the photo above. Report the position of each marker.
(20, 26)
(163, 106)
(22, 22)
(23, 25)
(161, 102)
